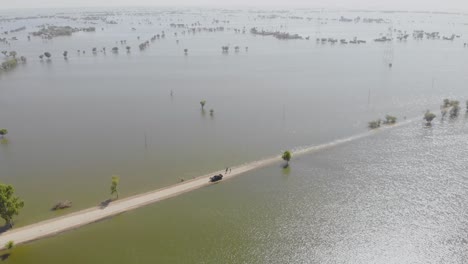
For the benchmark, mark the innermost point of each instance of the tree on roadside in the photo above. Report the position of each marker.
(114, 184)
(9, 204)
(286, 157)
(9, 245)
(428, 116)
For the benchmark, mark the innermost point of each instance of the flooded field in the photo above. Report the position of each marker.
(395, 197)
(74, 121)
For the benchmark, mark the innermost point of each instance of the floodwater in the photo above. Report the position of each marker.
(398, 196)
(74, 123)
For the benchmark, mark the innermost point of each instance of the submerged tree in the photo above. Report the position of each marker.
(446, 103)
(455, 109)
(202, 103)
(286, 157)
(390, 119)
(128, 49)
(428, 116)
(211, 112)
(375, 124)
(65, 54)
(9, 204)
(443, 112)
(186, 51)
(3, 132)
(114, 184)
(47, 54)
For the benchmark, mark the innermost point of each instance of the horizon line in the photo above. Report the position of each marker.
(273, 7)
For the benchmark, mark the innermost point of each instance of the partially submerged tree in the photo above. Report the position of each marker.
(375, 124)
(48, 55)
(428, 116)
(9, 204)
(114, 184)
(446, 103)
(390, 119)
(286, 157)
(443, 112)
(211, 112)
(455, 109)
(3, 132)
(202, 103)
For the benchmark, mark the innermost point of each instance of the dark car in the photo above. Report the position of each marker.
(216, 178)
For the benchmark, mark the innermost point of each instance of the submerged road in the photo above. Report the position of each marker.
(74, 220)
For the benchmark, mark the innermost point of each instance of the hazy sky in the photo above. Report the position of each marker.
(429, 5)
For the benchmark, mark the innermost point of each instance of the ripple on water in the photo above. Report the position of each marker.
(396, 197)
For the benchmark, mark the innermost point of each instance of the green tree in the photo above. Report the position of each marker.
(443, 112)
(9, 204)
(454, 111)
(286, 157)
(375, 124)
(9, 245)
(446, 103)
(202, 103)
(454, 103)
(390, 119)
(3, 132)
(428, 116)
(114, 184)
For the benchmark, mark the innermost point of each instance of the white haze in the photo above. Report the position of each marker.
(423, 5)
